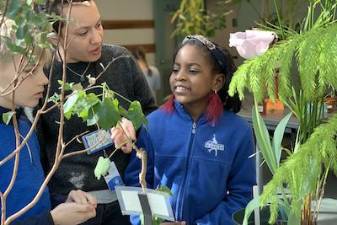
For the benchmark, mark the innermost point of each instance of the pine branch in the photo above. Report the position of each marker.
(316, 60)
(302, 170)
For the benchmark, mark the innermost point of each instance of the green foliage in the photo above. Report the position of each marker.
(301, 170)
(310, 57)
(105, 112)
(30, 27)
(192, 18)
(102, 167)
(133, 114)
(271, 150)
(6, 117)
(316, 59)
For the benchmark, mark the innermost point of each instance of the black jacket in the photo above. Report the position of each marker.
(122, 76)
(42, 219)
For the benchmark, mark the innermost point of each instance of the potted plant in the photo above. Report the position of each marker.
(192, 17)
(312, 55)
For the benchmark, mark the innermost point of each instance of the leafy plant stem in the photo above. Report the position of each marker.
(320, 191)
(279, 17)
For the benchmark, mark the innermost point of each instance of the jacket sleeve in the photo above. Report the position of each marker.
(141, 89)
(131, 176)
(240, 183)
(42, 219)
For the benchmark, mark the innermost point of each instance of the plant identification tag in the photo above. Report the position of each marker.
(97, 141)
(113, 178)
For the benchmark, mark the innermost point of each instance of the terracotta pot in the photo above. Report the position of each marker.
(330, 103)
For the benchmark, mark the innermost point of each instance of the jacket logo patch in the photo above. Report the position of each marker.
(213, 145)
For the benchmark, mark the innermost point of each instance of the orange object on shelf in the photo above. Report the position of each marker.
(273, 107)
(330, 103)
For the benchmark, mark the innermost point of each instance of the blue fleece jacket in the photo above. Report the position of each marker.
(30, 173)
(208, 168)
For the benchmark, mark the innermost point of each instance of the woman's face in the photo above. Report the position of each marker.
(85, 33)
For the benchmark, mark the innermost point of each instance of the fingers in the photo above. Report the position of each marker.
(91, 199)
(72, 213)
(127, 125)
(80, 208)
(81, 197)
(123, 134)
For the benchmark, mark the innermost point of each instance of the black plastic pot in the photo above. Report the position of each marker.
(264, 217)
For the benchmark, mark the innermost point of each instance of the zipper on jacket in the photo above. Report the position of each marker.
(181, 195)
(194, 126)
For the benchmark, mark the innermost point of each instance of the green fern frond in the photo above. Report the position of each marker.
(328, 60)
(302, 170)
(316, 61)
(307, 56)
(239, 81)
(286, 60)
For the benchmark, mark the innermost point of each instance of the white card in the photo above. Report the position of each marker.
(130, 204)
(113, 178)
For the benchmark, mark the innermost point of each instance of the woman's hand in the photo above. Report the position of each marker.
(81, 197)
(123, 134)
(71, 213)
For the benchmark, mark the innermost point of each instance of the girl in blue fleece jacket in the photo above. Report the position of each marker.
(22, 84)
(196, 144)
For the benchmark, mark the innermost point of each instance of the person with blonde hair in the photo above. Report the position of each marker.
(21, 85)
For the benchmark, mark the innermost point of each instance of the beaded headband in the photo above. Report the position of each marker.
(216, 53)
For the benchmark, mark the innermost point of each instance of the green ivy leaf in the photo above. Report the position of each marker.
(22, 31)
(55, 98)
(39, 1)
(67, 86)
(165, 189)
(70, 104)
(135, 114)
(15, 48)
(84, 104)
(102, 167)
(92, 118)
(28, 39)
(107, 113)
(13, 8)
(6, 117)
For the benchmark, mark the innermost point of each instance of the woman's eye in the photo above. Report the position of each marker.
(98, 25)
(82, 33)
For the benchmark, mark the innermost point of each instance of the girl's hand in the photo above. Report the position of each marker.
(81, 197)
(123, 134)
(174, 223)
(72, 213)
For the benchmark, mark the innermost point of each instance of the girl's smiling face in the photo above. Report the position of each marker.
(192, 79)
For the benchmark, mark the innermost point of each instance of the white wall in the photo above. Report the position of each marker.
(128, 10)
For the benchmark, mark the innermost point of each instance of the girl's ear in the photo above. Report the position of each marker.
(218, 82)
